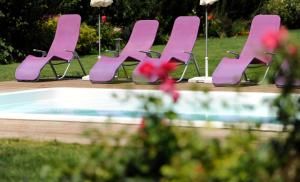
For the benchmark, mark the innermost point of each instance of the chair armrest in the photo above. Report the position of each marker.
(236, 55)
(270, 53)
(44, 53)
(117, 39)
(155, 52)
(75, 54)
(150, 52)
(187, 52)
(114, 52)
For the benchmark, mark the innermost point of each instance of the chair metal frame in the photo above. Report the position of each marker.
(268, 65)
(191, 58)
(52, 65)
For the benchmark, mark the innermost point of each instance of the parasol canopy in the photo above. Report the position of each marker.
(207, 2)
(101, 3)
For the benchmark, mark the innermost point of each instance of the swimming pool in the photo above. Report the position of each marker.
(122, 106)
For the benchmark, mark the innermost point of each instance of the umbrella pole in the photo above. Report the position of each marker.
(205, 78)
(206, 43)
(99, 35)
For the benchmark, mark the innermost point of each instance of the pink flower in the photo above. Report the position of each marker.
(142, 124)
(292, 50)
(283, 34)
(270, 41)
(164, 69)
(273, 39)
(175, 96)
(103, 19)
(147, 69)
(168, 86)
(169, 67)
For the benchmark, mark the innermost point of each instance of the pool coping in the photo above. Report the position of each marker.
(70, 132)
(134, 121)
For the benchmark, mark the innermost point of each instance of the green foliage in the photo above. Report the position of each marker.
(288, 10)
(125, 13)
(108, 34)
(236, 9)
(5, 52)
(87, 38)
(19, 22)
(159, 151)
(220, 27)
(225, 27)
(226, 17)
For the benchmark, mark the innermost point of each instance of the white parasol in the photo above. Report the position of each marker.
(99, 4)
(206, 78)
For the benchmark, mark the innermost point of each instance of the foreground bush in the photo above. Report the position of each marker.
(159, 151)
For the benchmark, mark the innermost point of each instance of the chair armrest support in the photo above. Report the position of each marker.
(117, 39)
(236, 55)
(75, 54)
(190, 53)
(270, 53)
(114, 52)
(44, 53)
(150, 52)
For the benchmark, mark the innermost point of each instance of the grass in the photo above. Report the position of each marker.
(217, 50)
(22, 160)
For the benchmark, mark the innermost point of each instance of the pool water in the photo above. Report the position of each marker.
(93, 105)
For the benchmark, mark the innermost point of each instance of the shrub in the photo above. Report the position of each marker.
(240, 27)
(234, 9)
(87, 38)
(5, 52)
(288, 10)
(220, 27)
(108, 34)
(19, 22)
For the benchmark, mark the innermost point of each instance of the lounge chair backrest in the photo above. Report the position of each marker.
(66, 36)
(261, 24)
(182, 38)
(141, 38)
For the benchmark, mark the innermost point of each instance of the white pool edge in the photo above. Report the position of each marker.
(136, 121)
(132, 121)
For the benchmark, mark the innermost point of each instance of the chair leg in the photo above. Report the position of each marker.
(125, 71)
(81, 66)
(265, 75)
(246, 77)
(66, 70)
(53, 70)
(183, 73)
(263, 79)
(196, 64)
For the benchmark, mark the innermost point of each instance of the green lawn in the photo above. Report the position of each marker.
(217, 49)
(22, 160)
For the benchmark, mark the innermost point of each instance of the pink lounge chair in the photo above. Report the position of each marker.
(141, 40)
(179, 47)
(230, 71)
(62, 49)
